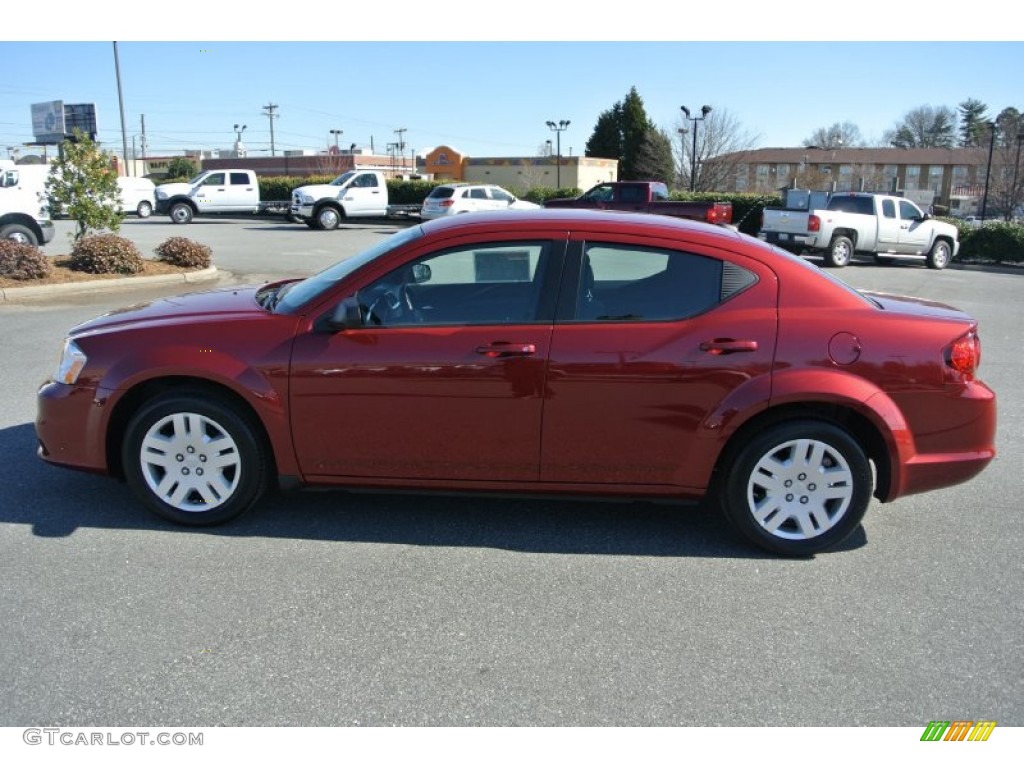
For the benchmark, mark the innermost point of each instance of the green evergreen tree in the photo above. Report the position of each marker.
(972, 122)
(83, 183)
(655, 161)
(620, 134)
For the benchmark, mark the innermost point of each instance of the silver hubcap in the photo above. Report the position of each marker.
(841, 253)
(941, 255)
(18, 237)
(329, 218)
(180, 214)
(190, 462)
(800, 489)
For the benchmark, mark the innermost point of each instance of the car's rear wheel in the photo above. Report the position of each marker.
(145, 209)
(797, 488)
(193, 459)
(840, 251)
(939, 256)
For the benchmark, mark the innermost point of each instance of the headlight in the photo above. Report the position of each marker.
(72, 361)
(160, 195)
(307, 199)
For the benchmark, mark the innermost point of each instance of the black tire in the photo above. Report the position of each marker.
(144, 209)
(939, 256)
(193, 459)
(19, 233)
(181, 213)
(775, 494)
(840, 251)
(328, 218)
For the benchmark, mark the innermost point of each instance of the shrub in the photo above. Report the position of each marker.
(182, 252)
(21, 261)
(998, 241)
(106, 254)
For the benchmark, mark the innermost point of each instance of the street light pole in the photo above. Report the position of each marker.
(705, 111)
(336, 132)
(239, 149)
(988, 171)
(558, 128)
(1016, 167)
(682, 153)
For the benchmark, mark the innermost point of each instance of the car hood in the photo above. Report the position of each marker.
(208, 305)
(319, 190)
(170, 190)
(911, 305)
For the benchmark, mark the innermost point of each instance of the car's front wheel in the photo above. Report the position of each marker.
(193, 459)
(181, 213)
(939, 256)
(18, 233)
(797, 488)
(328, 218)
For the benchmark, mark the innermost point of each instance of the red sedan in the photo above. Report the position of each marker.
(555, 352)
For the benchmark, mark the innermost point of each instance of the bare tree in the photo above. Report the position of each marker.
(925, 126)
(837, 135)
(721, 144)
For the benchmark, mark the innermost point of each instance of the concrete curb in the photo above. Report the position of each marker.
(91, 286)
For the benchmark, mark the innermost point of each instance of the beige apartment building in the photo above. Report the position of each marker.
(954, 178)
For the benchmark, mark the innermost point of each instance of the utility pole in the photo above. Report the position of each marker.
(401, 145)
(144, 149)
(270, 113)
(120, 104)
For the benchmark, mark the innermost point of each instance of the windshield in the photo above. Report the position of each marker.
(341, 180)
(195, 179)
(302, 292)
(804, 264)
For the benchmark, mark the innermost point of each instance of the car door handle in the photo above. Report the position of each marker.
(728, 346)
(506, 349)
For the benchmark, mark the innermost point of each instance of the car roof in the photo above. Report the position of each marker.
(571, 218)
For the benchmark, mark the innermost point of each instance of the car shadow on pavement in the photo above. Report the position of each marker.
(56, 502)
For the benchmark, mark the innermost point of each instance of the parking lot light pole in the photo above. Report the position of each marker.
(988, 170)
(336, 132)
(705, 111)
(558, 128)
(1016, 167)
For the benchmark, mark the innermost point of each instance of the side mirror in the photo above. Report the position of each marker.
(345, 316)
(420, 273)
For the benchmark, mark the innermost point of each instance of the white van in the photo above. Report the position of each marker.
(24, 213)
(138, 195)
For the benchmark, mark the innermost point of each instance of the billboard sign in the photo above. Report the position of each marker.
(48, 122)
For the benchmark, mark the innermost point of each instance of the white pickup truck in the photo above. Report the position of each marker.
(227, 190)
(854, 223)
(353, 194)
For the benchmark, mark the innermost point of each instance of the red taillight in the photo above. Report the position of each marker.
(813, 223)
(719, 213)
(964, 355)
(447, 203)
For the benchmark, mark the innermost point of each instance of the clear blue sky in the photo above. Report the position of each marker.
(483, 98)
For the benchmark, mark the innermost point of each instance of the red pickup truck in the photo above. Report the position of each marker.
(644, 197)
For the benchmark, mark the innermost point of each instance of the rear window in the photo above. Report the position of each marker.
(441, 193)
(852, 205)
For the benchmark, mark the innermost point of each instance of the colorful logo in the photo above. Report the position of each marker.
(958, 730)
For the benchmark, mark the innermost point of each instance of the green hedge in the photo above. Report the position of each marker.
(1000, 242)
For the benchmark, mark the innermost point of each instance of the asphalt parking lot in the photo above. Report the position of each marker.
(331, 609)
